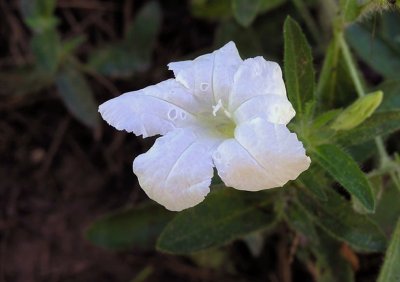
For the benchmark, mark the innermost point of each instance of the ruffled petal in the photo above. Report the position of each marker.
(156, 109)
(209, 76)
(263, 155)
(176, 172)
(256, 77)
(273, 108)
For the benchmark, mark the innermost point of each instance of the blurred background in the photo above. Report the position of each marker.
(61, 167)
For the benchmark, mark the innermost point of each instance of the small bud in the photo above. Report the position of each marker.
(357, 112)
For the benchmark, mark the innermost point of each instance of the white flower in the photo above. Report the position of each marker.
(219, 111)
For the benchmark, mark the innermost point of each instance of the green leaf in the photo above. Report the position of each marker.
(390, 270)
(245, 11)
(374, 51)
(299, 70)
(225, 215)
(300, 220)
(377, 125)
(345, 171)
(358, 111)
(77, 95)
(388, 208)
(46, 49)
(338, 218)
(134, 227)
(133, 54)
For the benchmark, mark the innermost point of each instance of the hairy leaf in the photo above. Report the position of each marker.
(299, 70)
(346, 171)
(337, 217)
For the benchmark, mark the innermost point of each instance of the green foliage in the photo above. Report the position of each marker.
(346, 171)
(374, 50)
(388, 208)
(134, 227)
(391, 99)
(225, 216)
(327, 120)
(133, 54)
(378, 124)
(46, 48)
(337, 217)
(77, 95)
(391, 270)
(299, 70)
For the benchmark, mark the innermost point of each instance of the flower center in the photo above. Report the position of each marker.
(220, 121)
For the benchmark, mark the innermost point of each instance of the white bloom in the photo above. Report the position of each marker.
(219, 111)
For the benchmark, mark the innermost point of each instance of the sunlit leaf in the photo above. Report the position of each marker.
(135, 227)
(225, 215)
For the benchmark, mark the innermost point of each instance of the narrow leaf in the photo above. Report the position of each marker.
(77, 95)
(245, 11)
(378, 124)
(346, 171)
(224, 216)
(299, 70)
(391, 267)
(338, 218)
(134, 227)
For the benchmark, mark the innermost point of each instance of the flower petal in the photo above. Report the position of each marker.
(273, 108)
(262, 155)
(209, 76)
(256, 77)
(176, 172)
(156, 109)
